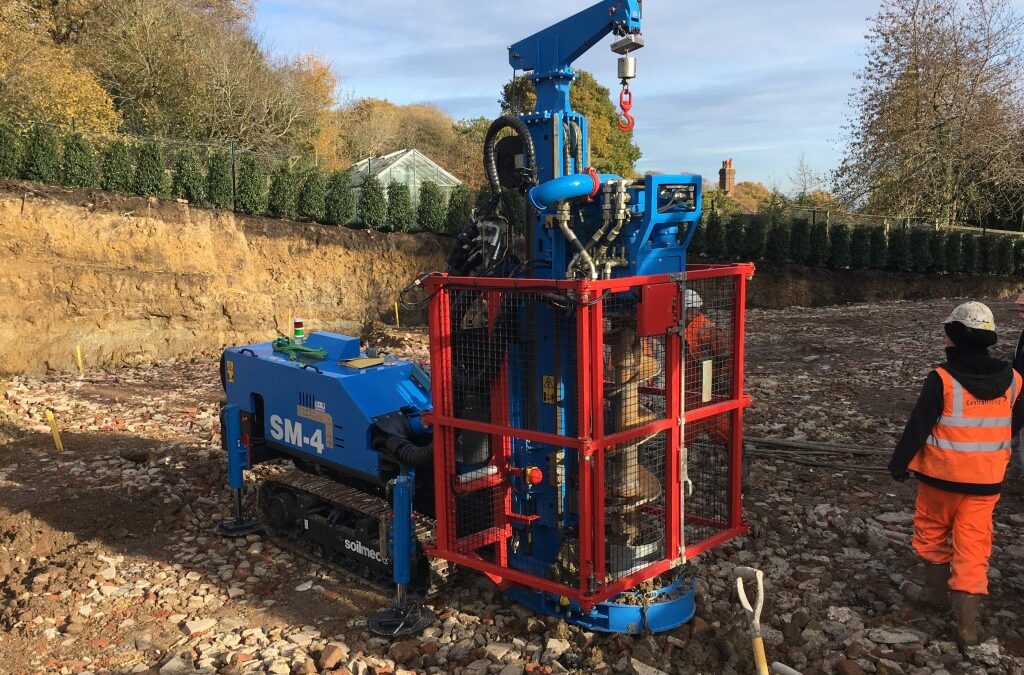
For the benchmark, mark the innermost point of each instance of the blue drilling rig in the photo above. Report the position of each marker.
(578, 439)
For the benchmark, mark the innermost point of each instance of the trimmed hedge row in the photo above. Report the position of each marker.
(283, 191)
(840, 246)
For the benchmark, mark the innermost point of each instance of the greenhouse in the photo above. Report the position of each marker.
(410, 167)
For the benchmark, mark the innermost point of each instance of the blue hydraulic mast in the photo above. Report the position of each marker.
(548, 55)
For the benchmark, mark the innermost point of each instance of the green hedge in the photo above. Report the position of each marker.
(118, 168)
(779, 244)
(373, 206)
(150, 177)
(218, 181)
(800, 241)
(282, 200)
(401, 216)
(340, 201)
(817, 245)
(188, 182)
(459, 210)
(313, 196)
(839, 246)
(41, 161)
(80, 168)
(432, 209)
(10, 151)
(879, 248)
(860, 248)
(920, 244)
(251, 188)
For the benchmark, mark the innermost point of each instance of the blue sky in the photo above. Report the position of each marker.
(760, 82)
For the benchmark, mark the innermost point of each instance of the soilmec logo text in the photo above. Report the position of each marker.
(366, 551)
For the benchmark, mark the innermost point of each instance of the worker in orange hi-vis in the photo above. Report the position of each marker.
(704, 341)
(957, 443)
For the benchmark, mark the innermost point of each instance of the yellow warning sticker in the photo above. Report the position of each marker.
(548, 382)
(230, 367)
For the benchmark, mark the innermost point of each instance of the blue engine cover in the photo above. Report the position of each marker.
(324, 409)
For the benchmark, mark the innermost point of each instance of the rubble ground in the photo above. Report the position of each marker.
(109, 564)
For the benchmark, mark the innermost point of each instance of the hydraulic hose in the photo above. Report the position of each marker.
(491, 156)
(405, 451)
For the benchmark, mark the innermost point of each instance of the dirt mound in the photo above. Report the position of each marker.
(135, 280)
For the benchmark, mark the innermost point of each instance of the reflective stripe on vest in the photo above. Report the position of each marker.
(971, 441)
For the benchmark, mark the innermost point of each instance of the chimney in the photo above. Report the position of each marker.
(727, 177)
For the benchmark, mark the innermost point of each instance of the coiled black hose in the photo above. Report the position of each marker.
(491, 156)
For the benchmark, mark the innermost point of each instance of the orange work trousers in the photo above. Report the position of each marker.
(957, 529)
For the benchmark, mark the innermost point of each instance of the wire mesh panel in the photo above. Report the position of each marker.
(635, 505)
(708, 507)
(709, 340)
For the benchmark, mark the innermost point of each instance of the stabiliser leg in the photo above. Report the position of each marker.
(238, 461)
(403, 618)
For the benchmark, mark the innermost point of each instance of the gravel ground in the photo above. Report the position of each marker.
(108, 563)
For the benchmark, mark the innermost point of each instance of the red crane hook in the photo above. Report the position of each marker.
(626, 121)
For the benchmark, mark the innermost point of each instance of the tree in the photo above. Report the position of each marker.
(188, 178)
(340, 203)
(611, 151)
(1003, 258)
(459, 210)
(79, 162)
(149, 170)
(118, 168)
(284, 193)
(401, 217)
(313, 196)
(750, 196)
(432, 207)
(936, 128)
(44, 82)
(251, 193)
(218, 180)
(10, 151)
(41, 162)
(373, 207)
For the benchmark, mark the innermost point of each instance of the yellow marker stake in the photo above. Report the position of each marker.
(78, 358)
(397, 324)
(56, 432)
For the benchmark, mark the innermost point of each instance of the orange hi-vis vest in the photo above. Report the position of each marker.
(971, 441)
(698, 337)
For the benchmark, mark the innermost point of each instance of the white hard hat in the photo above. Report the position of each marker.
(691, 300)
(973, 315)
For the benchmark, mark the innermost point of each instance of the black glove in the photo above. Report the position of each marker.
(900, 476)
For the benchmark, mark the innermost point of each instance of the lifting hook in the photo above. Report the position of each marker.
(626, 121)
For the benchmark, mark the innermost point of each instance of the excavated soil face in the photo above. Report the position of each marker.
(136, 280)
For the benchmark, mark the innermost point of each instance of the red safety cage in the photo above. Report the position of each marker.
(588, 435)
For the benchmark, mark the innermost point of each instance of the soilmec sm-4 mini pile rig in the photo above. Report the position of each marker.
(579, 437)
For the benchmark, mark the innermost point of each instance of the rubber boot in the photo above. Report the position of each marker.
(965, 609)
(936, 584)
